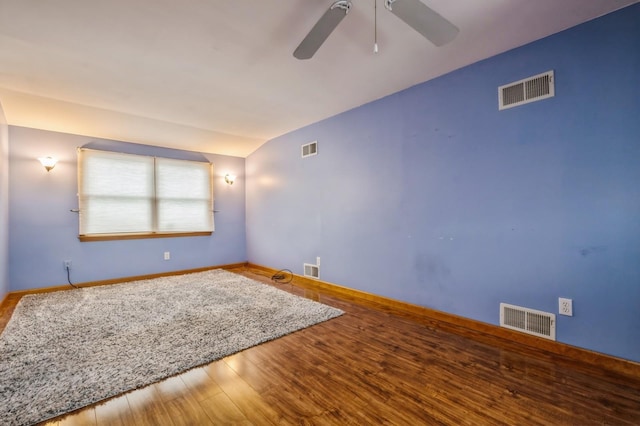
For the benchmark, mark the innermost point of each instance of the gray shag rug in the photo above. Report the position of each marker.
(62, 351)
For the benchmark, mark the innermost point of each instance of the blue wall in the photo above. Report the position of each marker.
(4, 205)
(44, 233)
(434, 197)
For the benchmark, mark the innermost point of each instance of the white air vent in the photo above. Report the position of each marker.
(524, 91)
(311, 271)
(310, 149)
(538, 323)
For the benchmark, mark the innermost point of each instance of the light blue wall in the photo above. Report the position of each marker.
(4, 205)
(434, 197)
(44, 232)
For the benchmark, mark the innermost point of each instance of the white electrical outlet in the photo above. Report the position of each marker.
(167, 255)
(565, 306)
(67, 264)
(318, 261)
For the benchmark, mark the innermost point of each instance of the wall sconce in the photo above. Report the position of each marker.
(48, 162)
(229, 178)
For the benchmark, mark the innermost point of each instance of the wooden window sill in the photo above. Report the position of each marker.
(111, 237)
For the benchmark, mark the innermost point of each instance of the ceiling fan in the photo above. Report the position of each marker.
(414, 13)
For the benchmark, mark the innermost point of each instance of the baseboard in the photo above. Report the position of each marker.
(121, 280)
(487, 333)
(3, 303)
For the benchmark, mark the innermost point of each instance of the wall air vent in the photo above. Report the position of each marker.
(310, 149)
(311, 271)
(528, 90)
(530, 321)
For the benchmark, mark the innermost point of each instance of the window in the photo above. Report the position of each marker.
(136, 196)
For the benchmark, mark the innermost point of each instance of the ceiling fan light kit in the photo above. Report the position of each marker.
(426, 21)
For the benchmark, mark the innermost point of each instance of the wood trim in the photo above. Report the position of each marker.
(481, 331)
(7, 306)
(121, 280)
(4, 301)
(111, 237)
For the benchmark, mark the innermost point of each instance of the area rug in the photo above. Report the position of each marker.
(62, 351)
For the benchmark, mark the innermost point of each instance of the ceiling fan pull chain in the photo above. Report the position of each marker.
(375, 26)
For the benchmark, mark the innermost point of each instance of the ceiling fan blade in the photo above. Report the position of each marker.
(424, 20)
(322, 29)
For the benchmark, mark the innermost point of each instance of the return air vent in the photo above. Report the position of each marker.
(311, 271)
(524, 91)
(538, 323)
(310, 149)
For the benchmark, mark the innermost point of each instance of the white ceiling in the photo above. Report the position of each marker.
(219, 76)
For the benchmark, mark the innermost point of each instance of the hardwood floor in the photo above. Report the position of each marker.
(372, 367)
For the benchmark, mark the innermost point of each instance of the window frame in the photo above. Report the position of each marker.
(154, 205)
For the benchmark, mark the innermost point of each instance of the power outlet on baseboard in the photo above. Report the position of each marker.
(66, 264)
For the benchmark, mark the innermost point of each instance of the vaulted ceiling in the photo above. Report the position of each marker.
(219, 76)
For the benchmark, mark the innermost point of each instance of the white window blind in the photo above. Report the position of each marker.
(183, 191)
(125, 193)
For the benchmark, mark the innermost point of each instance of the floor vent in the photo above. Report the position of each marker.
(528, 90)
(310, 149)
(538, 323)
(311, 271)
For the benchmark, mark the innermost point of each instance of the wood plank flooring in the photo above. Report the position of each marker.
(372, 367)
